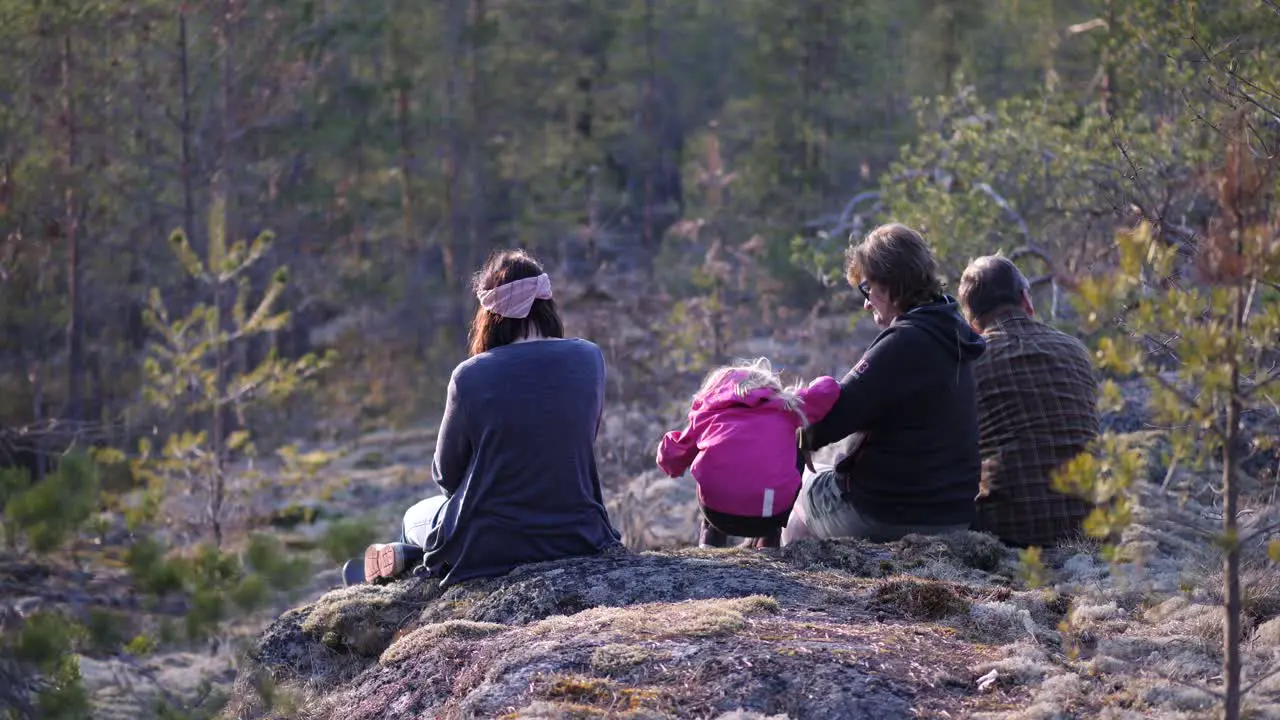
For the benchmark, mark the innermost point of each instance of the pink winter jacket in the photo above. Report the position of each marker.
(743, 449)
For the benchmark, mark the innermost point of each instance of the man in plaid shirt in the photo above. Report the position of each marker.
(1037, 395)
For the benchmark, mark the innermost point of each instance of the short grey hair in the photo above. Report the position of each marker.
(990, 283)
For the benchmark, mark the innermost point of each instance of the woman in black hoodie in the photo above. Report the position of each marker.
(907, 408)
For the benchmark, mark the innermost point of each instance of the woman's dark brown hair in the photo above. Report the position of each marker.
(489, 329)
(898, 258)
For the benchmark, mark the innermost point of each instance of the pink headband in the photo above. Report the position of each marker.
(515, 299)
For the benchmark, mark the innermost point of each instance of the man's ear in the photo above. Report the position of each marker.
(1028, 306)
(971, 320)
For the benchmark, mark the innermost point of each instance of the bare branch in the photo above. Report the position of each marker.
(1148, 200)
(1258, 680)
(1188, 525)
(1235, 77)
(1267, 151)
(1086, 26)
(1198, 116)
(148, 674)
(1165, 346)
(1189, 684)
(1260, 532)
(1004, 205)
(855, 201)
(1272, 376)
(1188, 400)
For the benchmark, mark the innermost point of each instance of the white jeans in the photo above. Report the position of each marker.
(419, 519)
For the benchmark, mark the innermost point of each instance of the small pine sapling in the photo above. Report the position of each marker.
(1202, 332)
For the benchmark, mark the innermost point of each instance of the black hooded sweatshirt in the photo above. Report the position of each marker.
(909, 406)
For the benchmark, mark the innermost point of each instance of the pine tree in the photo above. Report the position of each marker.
(188, 371)
(1203, 332)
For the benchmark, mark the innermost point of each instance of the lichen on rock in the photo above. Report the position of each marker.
(821, 629)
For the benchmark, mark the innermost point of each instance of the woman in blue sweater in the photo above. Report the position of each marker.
(515, 455)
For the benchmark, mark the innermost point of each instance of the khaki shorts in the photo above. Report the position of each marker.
(828, 514)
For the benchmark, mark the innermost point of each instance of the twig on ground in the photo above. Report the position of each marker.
(149, 675)
(1184, 524)
(1259, 680)
(1260, 532)
(1190, 684)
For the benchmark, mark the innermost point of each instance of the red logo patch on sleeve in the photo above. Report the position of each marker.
(861, 367)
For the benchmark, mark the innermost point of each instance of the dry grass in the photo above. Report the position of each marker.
(921, 599)
(604, 697)
(414, 643)
(692, 618)
(1267, 635)
(1178, 697)
(551, 710)
(1178, 616)
(617, 657)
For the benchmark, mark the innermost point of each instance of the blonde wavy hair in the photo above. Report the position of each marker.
(758, 373)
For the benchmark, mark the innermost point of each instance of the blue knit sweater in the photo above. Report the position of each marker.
(516, 458)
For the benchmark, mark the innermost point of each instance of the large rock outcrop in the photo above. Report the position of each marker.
(832, 629)
(924, 627)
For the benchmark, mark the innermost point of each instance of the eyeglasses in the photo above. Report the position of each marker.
(865, 288)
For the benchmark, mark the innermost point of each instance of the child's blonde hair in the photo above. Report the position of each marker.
(758, 373)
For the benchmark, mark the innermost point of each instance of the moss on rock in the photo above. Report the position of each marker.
(616, 657)
(419, 640)
(362, 618)
(692, 618)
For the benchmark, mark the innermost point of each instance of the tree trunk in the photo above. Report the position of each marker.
(476, 124)
(455, 20)
(35, 376)
(1230, 500)
(217, 248)
(652, 144)
(950, 59)
(1104, 86)
(455, 174)
(75, 333)
(217, 490)
(401, 78)
(188, 200)
(406, 167)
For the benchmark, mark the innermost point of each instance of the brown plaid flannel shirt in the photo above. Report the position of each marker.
(1037, 409)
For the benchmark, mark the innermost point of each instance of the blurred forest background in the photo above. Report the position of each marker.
(226, 227)
(715, 154)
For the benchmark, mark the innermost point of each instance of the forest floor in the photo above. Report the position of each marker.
(926, 627)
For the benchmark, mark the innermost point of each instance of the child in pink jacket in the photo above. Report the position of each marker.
(741, 442)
